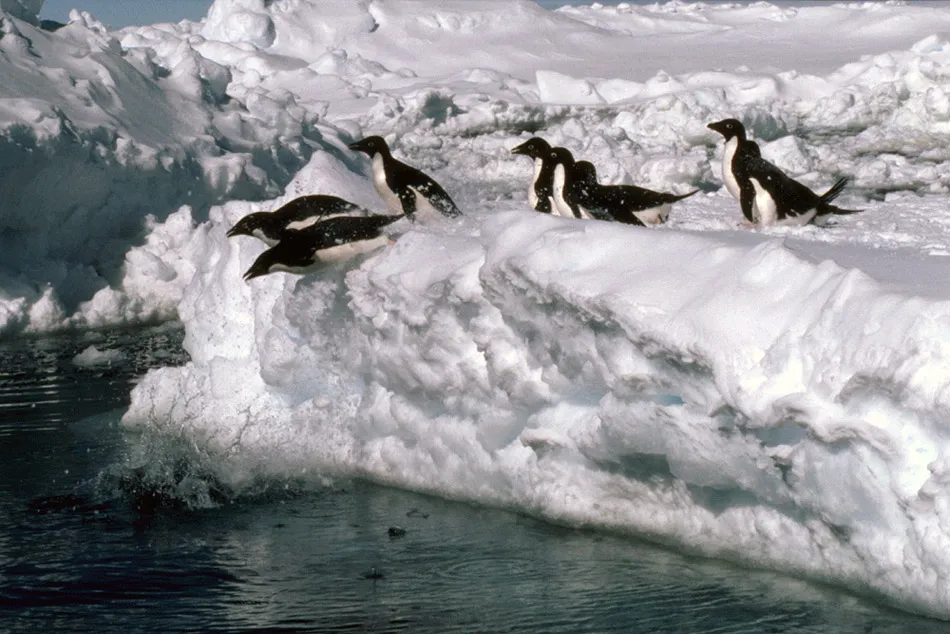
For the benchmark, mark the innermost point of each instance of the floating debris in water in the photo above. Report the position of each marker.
(396, 531)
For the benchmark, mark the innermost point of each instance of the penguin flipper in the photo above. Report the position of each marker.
(439, 199)
(747, 200)
(827, 210)
(408, 199)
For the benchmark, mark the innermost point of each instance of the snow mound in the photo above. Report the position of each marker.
(730, 397)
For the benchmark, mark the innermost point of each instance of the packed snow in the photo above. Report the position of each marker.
(777, 397)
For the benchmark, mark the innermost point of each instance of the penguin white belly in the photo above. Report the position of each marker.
(655, 215)
(379, 182)
(563, 208)
(555, 210)
(257, 233)
(728, 178)
(309, 222)
(765, 211)
(533, 195)
(424, 208)
(296, 270)
(344, 252)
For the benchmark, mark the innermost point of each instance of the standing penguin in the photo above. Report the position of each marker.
(780, 199)
(299, 213)
(766, 194)
(541, 190)
(405, 189)
(563, 187)
(737, 156)
(622, 203)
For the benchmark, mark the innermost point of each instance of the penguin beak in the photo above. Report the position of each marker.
(357, 146)
(236, 230)
(521, 149)
(716, 127)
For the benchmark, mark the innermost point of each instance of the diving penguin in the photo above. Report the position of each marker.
(329, 241)
(300, 213)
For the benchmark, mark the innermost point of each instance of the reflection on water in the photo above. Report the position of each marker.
(81, 551)
(42, 387)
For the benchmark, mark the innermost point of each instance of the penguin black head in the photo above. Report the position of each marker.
(535, 147)
(371, 145)
(585, 172)
(728, 128)
(262, 265)
(563, 156)
(247, 225)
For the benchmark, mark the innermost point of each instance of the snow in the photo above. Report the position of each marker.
(774, 396)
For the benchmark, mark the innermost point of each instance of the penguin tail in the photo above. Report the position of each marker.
(838, 211)
(681, 197)
(835, 190)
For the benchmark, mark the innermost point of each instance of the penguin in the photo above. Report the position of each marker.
(766, 194)
(541, 190)
(326, 242)
(621, 203)
(405, 189)
(299, 213)
(781, 200)
(738, 153)
(565, 204)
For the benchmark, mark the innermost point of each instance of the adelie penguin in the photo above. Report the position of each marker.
(780, 199)
(541, 190)
(766, 194)
(300, 213)
(405, 189)
(565, 203)
(628, 204)
(736, 155)
(326, 242)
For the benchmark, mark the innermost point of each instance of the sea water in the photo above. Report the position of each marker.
(87, 545)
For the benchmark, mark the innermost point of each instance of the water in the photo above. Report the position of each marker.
(85, 546)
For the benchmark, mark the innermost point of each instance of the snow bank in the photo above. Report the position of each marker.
(730, 397)
(96, 138)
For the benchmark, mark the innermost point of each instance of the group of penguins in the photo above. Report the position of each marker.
(315, 230)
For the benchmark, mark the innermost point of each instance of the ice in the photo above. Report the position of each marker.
(776, 397)
(94, 358)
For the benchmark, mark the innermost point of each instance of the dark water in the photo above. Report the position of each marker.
(85, 547)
